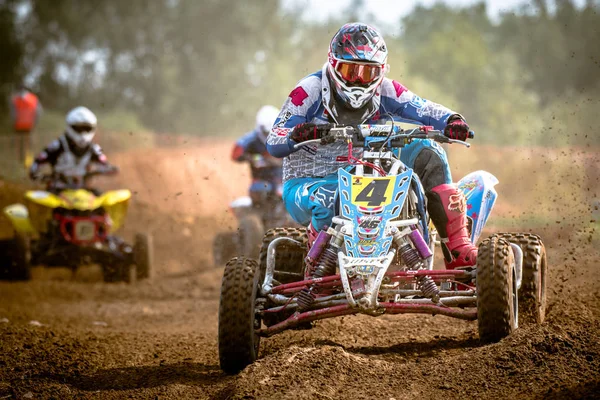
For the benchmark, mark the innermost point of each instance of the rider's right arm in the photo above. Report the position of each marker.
(48, 155)
(241, 147)
(301, 103)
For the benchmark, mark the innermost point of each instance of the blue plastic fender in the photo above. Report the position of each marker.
(478, 188)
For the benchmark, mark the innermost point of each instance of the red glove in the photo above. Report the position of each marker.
(309, 131)
(457, 129)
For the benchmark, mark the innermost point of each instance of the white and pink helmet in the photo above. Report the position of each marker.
(357, 62)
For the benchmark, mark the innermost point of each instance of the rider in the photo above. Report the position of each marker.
(265, 169)
(73, 152)
(351, 89)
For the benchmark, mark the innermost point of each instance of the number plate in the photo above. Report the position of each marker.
(372, 192)
(85, 230)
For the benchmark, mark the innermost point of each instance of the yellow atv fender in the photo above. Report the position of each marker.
(19, 218)
(40, 204)
(115, 202)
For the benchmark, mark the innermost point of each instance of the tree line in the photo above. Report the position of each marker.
(531, 76)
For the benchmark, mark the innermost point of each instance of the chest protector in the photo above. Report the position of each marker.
(70, 165)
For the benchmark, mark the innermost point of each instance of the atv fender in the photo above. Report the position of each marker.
(478, 188)
(113, 197)
(19, 218)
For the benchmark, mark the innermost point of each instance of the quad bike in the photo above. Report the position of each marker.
(377, 257)
(69, 226)
(262, 210)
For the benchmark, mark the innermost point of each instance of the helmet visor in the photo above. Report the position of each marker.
(82, 128)
(358, 73)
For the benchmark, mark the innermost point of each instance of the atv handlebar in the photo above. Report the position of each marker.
(102, 170)
(396, 136)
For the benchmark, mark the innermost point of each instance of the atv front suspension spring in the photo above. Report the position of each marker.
(410, 256)
(429, 288)
(305, 299)
(327, 263)
(414, 261)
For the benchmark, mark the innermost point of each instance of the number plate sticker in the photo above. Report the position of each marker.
(85, 230)
(372, 192)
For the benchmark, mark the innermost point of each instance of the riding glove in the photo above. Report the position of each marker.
(456, 128)
(309, 131)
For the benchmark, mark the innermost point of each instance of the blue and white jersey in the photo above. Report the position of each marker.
(310, 102)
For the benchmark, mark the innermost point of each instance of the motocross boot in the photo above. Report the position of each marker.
(447, 208)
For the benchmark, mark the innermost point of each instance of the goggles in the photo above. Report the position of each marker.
(358, 73)
(82, 129)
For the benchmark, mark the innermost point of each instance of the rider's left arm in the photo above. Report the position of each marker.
(403, 103)
(98, 155)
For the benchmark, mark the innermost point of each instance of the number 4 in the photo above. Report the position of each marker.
(374, 193)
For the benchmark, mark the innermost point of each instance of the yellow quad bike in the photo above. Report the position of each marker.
(74, 226)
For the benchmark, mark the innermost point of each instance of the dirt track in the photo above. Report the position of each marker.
(157, 339)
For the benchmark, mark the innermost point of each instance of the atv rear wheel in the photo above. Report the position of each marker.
(532, 294)
(19, 268)
(238, 320)
(225, 247)
(497, 302)
(289, 259)
(142, 256)
(251, 231)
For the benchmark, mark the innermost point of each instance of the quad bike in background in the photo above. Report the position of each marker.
(377, 257)
(70, 225)
(263, 209)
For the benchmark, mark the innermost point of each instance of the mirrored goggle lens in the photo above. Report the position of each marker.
(82, 128)
(359, 73)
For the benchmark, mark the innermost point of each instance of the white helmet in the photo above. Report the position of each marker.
(265, 118)
(81, 126)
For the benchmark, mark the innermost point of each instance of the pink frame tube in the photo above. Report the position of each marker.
(389, 308)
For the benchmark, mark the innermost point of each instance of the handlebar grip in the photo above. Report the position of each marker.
(471, 134)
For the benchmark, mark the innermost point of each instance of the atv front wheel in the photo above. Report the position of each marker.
(251, 231)
(497, 302)
(142, 256)
(20, 266)
(225, 247)
(532, 294)
(238, 320)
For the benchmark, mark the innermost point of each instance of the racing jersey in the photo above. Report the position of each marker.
(64, 160)
(310, 102)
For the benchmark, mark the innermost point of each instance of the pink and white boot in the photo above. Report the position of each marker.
(447, 208)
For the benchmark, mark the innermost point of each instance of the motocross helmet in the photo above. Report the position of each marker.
(81, 126)
(357, 62)
(265, 118)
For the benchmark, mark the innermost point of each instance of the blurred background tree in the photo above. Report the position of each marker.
(530, 76)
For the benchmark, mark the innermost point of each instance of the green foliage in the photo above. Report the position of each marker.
(491, 70)
(195, 66)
